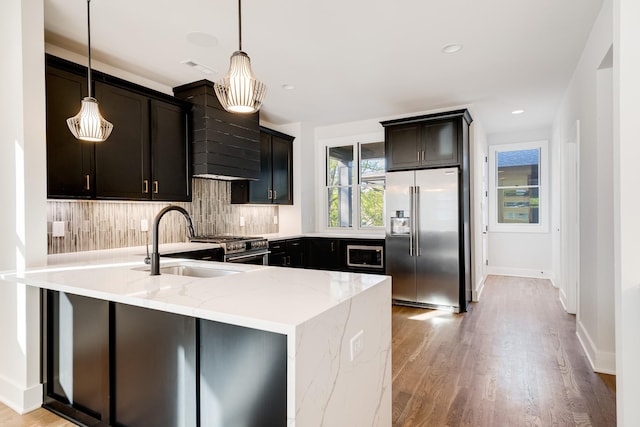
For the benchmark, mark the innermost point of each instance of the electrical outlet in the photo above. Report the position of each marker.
(57, 229)
(241, 221)
(275, 219)
(357, 345)
(144, 225)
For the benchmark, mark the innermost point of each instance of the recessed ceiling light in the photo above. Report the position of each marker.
(202, 68)
(452, 48)
(516, 112)
(287, 86)
(202, 39)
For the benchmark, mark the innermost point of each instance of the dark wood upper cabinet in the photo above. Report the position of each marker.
(403, 147)
(170, 176)
(69, 162)
(427, 141)
(147, 155)
(122, 161)
(275, 185)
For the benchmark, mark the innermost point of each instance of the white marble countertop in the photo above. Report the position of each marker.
(268, 298)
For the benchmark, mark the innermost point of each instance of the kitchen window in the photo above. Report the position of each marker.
(519, 186)
(355, 186)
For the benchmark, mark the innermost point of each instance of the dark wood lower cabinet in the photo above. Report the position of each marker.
(76, 356)
(111, 364)
(243, 376)
(154, 368)
(287, 253)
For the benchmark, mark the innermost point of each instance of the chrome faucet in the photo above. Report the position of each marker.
(155, 254)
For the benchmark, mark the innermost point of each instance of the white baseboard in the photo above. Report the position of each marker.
(475, 295)
(18, 398)
(519, 272)
(603, 362)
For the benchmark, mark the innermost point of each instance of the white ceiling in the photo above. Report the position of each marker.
(351, 60)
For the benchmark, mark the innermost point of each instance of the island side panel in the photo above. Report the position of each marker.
(243, 376)
(330, 388)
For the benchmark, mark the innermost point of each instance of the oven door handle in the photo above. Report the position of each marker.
(251, 255)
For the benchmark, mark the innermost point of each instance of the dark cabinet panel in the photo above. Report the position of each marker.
(440, 142)
(76, 355)
(295, 251)
(275, 185)
(259, 191)
(243, 376)
(122, 161)
(278, 255)
(403, 146)
(170, 176)
(69, 161)
(155, 368)
(282, 170)
(323, 253)
(287, 253)
(425, 141)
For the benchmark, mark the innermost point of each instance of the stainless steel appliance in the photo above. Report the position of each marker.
(365, 256)
(423, 238)
(240, 249)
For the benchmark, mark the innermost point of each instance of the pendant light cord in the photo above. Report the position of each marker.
(240, 23)
(89, 46)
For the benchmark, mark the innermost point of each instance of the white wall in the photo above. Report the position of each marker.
(478, 152)
(522, 254)
(23, 195)
(626, 208)
(584, 101)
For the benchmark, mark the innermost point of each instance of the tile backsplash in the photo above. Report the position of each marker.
(91, 225)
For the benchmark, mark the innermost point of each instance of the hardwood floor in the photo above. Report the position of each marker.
(513, 360)
(38, 418)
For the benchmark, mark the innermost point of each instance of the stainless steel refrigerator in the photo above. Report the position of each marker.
(424, 238)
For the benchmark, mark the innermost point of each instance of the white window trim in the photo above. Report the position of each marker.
(543, 194)
(323, 207)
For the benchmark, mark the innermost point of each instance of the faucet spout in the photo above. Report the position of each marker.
(155, 254)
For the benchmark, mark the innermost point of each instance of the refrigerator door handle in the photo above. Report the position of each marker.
(411, 220)
(416, 216)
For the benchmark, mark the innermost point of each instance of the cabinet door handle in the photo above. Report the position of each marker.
(87, 183)
(145, 188)
(156, 187)
(332, 247)
(270, 195)
(275, 195)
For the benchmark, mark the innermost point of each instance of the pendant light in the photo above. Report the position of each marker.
(89, 125)
(239, 91)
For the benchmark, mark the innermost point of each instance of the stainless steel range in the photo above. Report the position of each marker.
(240, 249)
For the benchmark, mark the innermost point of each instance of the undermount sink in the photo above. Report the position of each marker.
(192, 270)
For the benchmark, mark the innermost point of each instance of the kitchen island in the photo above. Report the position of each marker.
(333, 329)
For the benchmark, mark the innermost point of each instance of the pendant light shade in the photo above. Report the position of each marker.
(89, 125)
(239, 91)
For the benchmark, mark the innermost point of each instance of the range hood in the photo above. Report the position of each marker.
(225, 146)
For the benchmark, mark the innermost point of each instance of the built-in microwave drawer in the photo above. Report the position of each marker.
(365, 256)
